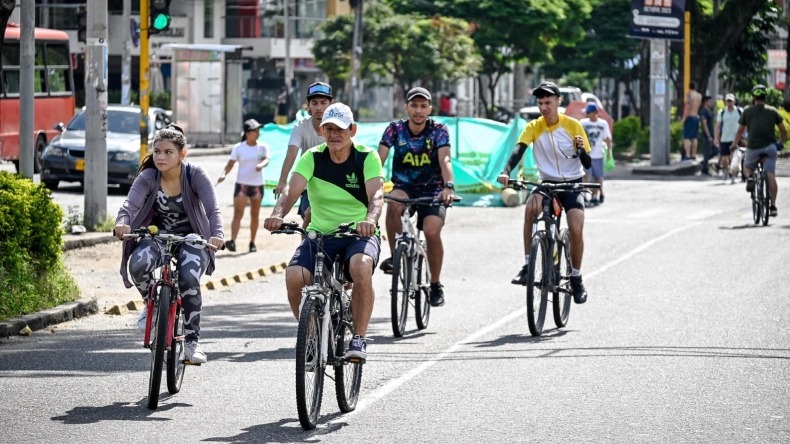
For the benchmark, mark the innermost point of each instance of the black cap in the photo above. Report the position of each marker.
(319, 89)
(546, 89)
(418, 92)
(251, 125)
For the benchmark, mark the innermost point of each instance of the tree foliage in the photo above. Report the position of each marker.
(6, 8)
(406, 48)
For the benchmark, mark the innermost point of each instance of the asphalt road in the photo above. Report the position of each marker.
(683, 339)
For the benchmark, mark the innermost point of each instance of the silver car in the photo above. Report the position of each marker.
(64, 158)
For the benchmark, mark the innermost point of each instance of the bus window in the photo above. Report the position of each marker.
(11, 82)
(40, 82)
(58, 66)
(10, 54)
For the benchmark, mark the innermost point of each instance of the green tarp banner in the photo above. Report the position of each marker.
(480, 149)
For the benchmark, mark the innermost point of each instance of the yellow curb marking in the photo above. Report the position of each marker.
(250, 275)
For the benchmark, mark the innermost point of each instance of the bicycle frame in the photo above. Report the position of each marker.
(411, 236)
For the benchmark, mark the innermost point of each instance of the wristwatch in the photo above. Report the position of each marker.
(449, 185)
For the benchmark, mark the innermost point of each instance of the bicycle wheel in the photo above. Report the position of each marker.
(537, 287)
(348, 376)
(561, 302)
(401, 287)
(422, 298)
(309, 368)
(176, 355)
(757, 201)
(766, 199)
(158, 346)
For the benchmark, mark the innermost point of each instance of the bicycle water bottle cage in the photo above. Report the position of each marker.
(556, 206)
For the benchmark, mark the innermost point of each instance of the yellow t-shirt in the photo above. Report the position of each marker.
(549, 143)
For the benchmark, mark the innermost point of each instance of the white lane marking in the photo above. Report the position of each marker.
(392, 385)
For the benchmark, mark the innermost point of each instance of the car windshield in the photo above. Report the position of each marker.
(125, 122)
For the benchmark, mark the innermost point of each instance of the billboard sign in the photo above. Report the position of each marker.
(657, 19)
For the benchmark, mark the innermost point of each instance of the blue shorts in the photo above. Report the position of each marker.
(305, 253)
(753, 156)
(691, 127)
(596, 169)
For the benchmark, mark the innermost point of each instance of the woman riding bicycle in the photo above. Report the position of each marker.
(178, 198)
(561, 151)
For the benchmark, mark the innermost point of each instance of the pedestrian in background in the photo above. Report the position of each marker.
(600, 142)
(252, 156)
(726, 128)
(306, 134)
(709, 149)
(444, 105)
(178, 198)
(690, 122)
(453, 106)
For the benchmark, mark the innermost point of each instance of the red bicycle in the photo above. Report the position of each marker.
(164, 325)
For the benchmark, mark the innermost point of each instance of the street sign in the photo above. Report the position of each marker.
(657, 19)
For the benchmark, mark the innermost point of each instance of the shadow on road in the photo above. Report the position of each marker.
(284, 430)
(118, 411)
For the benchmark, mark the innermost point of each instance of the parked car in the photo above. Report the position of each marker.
(590, 97)
(64, 158)
(569, 95)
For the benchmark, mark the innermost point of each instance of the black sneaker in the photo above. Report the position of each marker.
(357, 348)
(522, 277)
(386, 266)
(437, 295)
(577, 288)
(252, 247)
(750, 185)
(601, 200)
(230, 245)
(774, 211)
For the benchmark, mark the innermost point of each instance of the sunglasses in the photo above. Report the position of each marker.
(319, 89)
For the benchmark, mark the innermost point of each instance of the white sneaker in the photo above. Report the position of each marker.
(193, 353)
(143, 317)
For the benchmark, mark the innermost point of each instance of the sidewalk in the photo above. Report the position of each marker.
(94, 260)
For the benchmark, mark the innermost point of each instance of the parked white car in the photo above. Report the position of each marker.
(569, 94)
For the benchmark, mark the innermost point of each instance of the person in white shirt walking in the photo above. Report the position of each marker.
(306, 134)
(726, 128)
(252, 156)
(600, 140)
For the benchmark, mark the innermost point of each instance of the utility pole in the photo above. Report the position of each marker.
(96, 114)
(356, 55)
(144, 76)
(26, 109)
(126, 67)
(288, 64)
(659, 102)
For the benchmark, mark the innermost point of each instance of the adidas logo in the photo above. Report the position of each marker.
(352, 180)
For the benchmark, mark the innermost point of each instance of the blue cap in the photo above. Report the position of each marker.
(591, 108)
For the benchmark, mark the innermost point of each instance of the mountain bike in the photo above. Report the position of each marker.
(411, 276)
(164, 324)
(761, 196)
(325, 329)
(549, 264)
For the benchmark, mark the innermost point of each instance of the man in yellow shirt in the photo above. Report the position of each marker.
(562, 152)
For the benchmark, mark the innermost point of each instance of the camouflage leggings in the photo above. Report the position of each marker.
(192, 263)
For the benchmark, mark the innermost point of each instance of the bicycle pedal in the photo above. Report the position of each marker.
(356, 360)
(188, 362)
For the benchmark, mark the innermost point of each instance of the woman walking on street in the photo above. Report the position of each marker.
(178, 198)
(252, 157)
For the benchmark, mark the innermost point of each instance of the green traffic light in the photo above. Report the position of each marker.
(161, 22)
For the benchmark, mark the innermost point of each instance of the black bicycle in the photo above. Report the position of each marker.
(325, 329)
(761, 195)
(411, 276)
(549, 266)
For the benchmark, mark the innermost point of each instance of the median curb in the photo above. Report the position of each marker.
(43, 319)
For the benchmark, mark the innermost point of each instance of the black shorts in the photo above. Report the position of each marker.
(725, 148)
(569, 199)
(305, 253)
(304, 204)
(423, 211)
(251, 191)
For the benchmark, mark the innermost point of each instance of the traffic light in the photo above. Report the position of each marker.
(82, 24)
(160, 16)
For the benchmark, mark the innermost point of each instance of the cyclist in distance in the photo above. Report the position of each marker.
(420, 168)
(345, 184)
(562, 152)
(760, 120)
(306, 134)
(178, 198)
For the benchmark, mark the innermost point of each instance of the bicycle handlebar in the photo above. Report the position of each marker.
(428, 201)
(153, 231)
(343, 230)
(569, 186)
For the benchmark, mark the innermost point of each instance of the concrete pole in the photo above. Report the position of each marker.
(289, 75)
(356, 56)
(659, 102)
(713, 81)
(26, 91)
(126, 66)
(145, 74)
(96, 115)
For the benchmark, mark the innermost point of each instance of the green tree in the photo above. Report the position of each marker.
(408, 49)
(507, 32)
